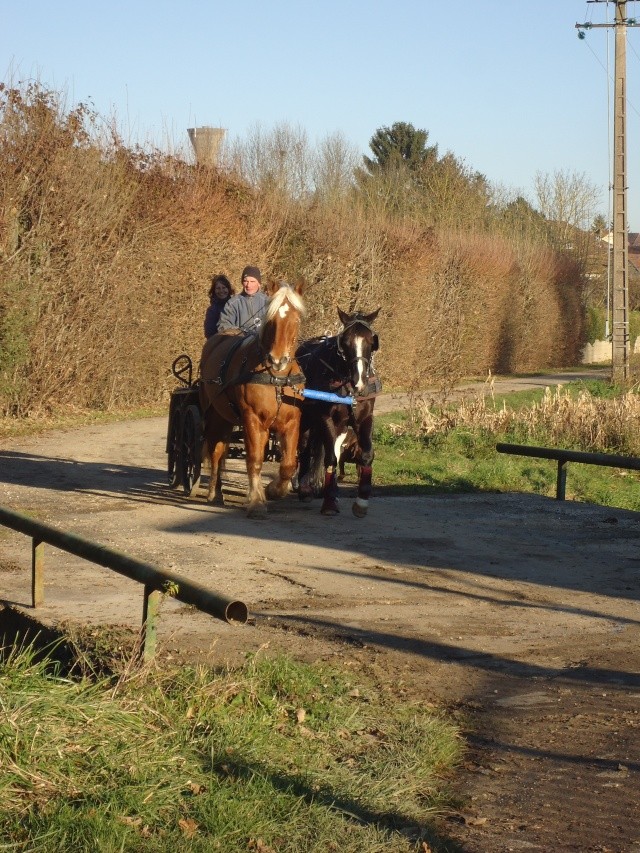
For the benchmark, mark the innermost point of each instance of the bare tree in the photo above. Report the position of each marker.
(568, 199)
(333, 167)
(276, 160)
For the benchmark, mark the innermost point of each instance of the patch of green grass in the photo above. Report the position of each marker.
(461, 459)
(519, 400)
(276, 756)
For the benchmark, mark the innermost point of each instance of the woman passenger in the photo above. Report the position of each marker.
(219, 294)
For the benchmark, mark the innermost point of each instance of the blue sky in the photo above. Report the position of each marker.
(506, 85)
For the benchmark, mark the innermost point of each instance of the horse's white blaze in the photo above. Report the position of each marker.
(360, 363)
(283, 310)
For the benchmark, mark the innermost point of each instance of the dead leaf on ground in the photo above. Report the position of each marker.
(259, 846)
(130, 821)
(306, 732)
(188, 826)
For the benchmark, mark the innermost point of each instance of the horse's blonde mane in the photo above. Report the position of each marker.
(284, 294)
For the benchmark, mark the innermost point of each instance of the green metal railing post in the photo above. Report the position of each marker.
(150, 609)
(37, 572)
(610, 460)
(561, 482)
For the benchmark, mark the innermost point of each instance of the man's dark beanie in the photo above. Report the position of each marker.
(254, 272)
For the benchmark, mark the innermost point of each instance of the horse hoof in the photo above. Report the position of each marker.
(258, 511)
(330, 508)
(359, 508)
(275, 492)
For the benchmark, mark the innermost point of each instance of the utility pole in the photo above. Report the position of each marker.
(620, 294)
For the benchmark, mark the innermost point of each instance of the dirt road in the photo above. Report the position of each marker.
(517, 613)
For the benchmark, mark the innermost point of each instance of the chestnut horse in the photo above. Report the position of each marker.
(342, 365)
(255, 380)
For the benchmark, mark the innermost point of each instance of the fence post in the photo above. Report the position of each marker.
(561, 483)
(151, 605)
(37, 572)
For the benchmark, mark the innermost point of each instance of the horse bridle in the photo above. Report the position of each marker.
(374, 346)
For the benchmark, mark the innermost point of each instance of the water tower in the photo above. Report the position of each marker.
(206, 143)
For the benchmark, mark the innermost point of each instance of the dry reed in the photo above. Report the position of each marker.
(585, 422)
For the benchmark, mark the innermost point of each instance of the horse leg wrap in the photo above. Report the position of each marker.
(361, 504)
(330, 493)
(364, 484)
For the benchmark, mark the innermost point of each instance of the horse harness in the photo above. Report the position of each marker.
(336, 378)
(254, 377)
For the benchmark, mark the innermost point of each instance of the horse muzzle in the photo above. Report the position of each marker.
(277, 363)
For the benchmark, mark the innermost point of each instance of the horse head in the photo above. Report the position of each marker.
(281, 325)
(356, 343)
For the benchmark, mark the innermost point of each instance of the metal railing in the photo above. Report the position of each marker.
(610, 460)
(156, 582)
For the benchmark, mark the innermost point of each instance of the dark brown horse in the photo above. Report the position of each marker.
(341, 365)
(255, 380)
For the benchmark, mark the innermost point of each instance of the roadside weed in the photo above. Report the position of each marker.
(452, 448)
(275, 756)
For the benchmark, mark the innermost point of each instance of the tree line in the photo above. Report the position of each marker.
(107, 250)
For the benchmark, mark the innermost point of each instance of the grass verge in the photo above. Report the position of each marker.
(435, 449)
(279, 756)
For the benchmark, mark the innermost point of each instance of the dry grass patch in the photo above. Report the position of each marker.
(585, 422)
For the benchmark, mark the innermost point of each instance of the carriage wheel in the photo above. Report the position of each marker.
(173, 450)
(272, 451)
(191, 450)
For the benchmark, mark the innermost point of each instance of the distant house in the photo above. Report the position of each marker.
(633, 238)
(634, 243)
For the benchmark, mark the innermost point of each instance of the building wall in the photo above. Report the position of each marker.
(600, 351)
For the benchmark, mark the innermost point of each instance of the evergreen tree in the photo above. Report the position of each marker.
(397, 146)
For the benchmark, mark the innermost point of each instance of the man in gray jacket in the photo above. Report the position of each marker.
(245, 310)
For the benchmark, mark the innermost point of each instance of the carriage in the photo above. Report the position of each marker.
(184, 431)
(252, 398)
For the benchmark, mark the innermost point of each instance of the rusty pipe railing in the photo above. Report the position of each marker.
(155, 581)
(610, 460)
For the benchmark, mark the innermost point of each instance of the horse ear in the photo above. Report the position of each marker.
(299, 286)
(344, 317)
(371, 317)
(272, 286)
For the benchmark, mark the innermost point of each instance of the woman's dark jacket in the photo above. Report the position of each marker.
(212, 317)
